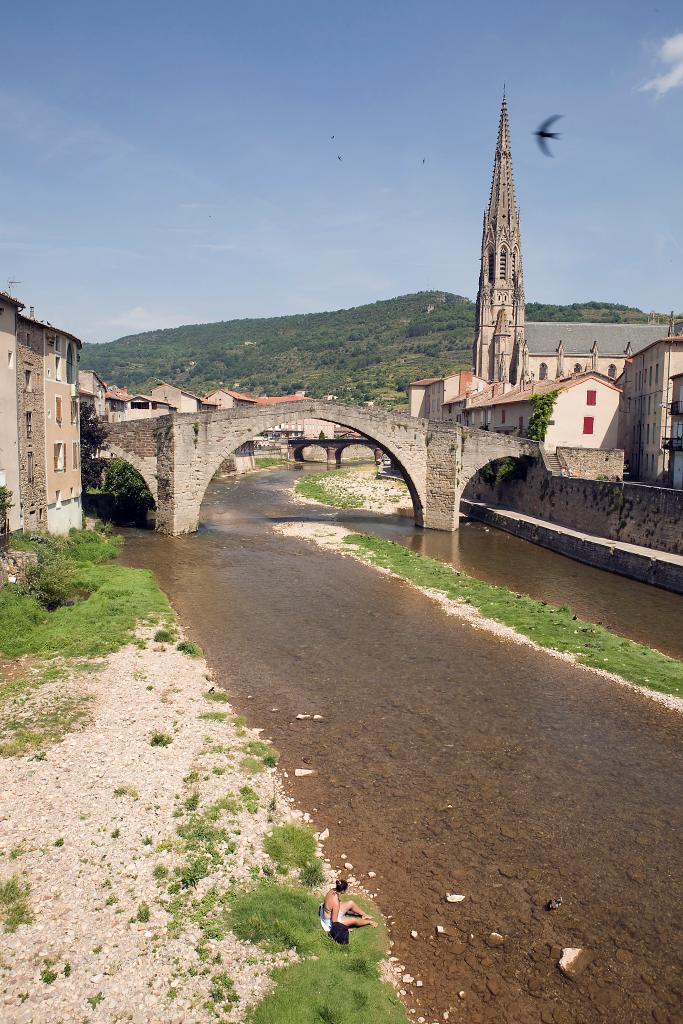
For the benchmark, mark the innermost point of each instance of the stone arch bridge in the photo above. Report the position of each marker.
(179, 454)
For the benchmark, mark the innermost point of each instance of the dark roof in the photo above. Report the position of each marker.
(578, 339)
(423, 383)
(6, 297)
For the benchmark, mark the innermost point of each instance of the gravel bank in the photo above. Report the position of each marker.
(384, 495)
(92, 827)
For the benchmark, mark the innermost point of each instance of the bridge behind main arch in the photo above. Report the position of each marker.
(182, 452)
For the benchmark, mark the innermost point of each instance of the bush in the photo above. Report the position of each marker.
(132, 497)
(164, 636)
(52, 579)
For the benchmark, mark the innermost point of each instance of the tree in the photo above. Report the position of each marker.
(132, 497)
(93, 436)
(6, 504)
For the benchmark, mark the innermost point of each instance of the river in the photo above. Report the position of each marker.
(449, 761)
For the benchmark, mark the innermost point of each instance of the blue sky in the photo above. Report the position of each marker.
(172, 163)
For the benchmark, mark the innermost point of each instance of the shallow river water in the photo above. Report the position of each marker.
(449, 761)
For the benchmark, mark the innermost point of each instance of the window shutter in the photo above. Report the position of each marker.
(56, 454)
(588, 424)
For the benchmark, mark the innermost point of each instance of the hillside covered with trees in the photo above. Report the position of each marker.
(367, 352)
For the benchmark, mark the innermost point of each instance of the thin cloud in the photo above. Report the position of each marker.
(215, 246)
(141, 319)
(670, 52)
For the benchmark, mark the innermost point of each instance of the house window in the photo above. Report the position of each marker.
(588, 424)
(74, 454)
(70, 375)
(502, 415)
(58, 410)
(10, 359)
(492, 266)
(29, 467)
(521, 424)
(612, 371)
(591, 397)
(58, 367)
(503, 262)
(650, 379)
(577, 367)
(28, 380)
(656, 373)
(29, 424)
(58, 345)
(647, 434)
(74, 410)
(543, 371)
(58, 457)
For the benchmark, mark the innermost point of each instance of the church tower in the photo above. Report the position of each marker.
(499, 341)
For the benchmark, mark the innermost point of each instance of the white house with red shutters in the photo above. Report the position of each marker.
(585, 414)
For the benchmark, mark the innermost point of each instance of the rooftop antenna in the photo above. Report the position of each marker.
(10, 284)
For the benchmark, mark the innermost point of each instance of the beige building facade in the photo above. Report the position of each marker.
(673, 443)
(92, 390)
(9, 413)
(585, 414)
(62, 427)
(647, 384)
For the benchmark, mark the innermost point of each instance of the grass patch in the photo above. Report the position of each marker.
(214, 716)
(554, 628)
(264, 752)
(117, 599)
(190, 648)
(338, 985)
(217, 696)
(15, 907)
(130, 791)
(290, 846)
(165, 636)
(312, 875)
(266, 461)
(160, 739)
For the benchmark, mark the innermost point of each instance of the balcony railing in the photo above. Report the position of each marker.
(674, 444)
(676, 408)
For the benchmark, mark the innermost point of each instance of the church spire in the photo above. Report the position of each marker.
(500, 278)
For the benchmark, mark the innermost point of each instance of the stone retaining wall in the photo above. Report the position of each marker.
(651, 517)
(14, 565)
(593, 552)
(593, 463)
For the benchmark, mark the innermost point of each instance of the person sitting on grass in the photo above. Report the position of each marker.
(345, 912)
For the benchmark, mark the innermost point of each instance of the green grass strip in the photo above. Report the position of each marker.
(118, 598)
(550, 627)
(266, 461)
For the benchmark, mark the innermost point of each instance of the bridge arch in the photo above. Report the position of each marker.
(217, 435)
(178, 455)
(146, 470)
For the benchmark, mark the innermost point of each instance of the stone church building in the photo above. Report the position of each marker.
(506, 348)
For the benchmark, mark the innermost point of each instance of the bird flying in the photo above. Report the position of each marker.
(338, 157)
(542, 134)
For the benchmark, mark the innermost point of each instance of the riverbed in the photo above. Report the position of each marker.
(448, 761)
